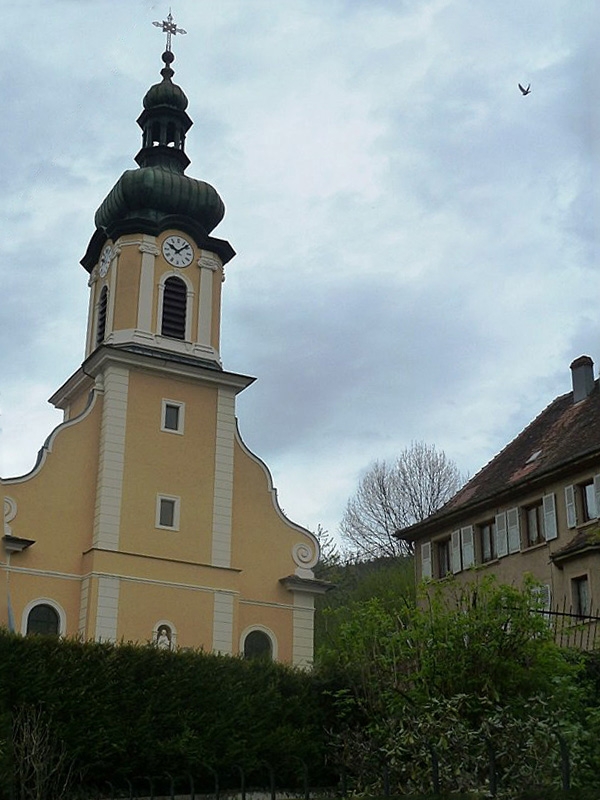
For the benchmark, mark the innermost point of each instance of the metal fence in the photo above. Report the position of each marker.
(573, 629)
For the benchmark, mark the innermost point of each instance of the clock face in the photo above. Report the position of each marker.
(105, 260)
(177, 251)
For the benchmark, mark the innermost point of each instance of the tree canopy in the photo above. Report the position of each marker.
(392, 496)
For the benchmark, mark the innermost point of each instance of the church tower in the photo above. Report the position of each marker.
(145, 517)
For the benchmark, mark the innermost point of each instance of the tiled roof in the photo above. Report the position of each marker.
(583, 540)
(564, 434)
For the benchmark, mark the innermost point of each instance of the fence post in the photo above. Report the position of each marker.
(172, 782)
(192, 788)
(344, 780)
(386, 779)
(240, 769)
(565, 764)
(435, 769)
(272, 781)
(493, 773)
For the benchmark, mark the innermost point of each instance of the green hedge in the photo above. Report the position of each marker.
(124, 711)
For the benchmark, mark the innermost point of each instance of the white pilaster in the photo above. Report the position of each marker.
(223, 488)
(209, 263)
(149, 251)
(89, 341)
(223, 623)
(83, 607)
(303, 646)
(108, 609)
(111, 457)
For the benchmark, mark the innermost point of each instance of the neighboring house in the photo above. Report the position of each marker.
(146, 517)
(533, 509)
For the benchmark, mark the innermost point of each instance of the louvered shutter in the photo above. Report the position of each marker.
(570, 506)
(597, 493)
(513, 530)
(501, 535)
(468, 551)
(546, 596)
(174, 309)
(550, 527)
(426, 560)
(102, 309)
(456, 556)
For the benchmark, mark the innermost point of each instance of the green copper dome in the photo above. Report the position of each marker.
(165, 93)
(159, 195)
(152, 193)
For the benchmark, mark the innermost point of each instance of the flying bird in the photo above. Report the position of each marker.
(524, 90)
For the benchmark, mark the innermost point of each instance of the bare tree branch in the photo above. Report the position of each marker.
(393, 496)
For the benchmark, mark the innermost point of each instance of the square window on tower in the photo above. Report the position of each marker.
(167, 512)
(172, 416)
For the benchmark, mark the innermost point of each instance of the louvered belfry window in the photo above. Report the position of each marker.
(101, 327)
(174, 307)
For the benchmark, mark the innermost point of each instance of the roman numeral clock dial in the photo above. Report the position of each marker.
(177, 251)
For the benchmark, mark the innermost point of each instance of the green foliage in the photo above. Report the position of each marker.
(470, 674)
(124, 711)
(390, 580)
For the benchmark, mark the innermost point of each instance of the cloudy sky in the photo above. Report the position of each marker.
(417, 243)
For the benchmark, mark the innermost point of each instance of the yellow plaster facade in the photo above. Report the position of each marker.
(146, 516)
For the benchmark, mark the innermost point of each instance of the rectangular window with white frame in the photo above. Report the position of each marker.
(487, 541)
(580, 588)
(540, 519)
(463, 550)
(590, 498)
(167, 512)
(507, 532)
(172, 416)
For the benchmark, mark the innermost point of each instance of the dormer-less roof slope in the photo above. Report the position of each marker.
(564, 436)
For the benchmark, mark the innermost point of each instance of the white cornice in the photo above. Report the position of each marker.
(94, 365)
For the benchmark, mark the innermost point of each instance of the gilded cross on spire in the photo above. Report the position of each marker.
(170, 28)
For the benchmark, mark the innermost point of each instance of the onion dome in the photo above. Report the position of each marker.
(166, 93)
(158, 194)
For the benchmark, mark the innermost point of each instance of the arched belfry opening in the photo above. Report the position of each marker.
(174, 308)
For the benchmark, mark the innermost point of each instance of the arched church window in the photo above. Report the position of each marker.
(43, 619)
(102, 306)
(257, 644)
(174, 308)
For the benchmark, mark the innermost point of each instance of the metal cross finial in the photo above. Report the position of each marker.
(170, 28)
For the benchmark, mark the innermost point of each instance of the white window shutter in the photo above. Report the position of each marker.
(468, 551)
(501, 535)
(550, 527)
(456, 556)
(513, 533)
(597, 492)
(570, 506)
(546, 596)
(426, 560)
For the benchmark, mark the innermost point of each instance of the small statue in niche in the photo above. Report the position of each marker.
(163, 637)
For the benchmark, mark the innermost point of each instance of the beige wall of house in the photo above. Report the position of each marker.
(565, 574)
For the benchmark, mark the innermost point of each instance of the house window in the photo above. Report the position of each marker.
(172, 416)
(581, 595)
(444, 562)
(487, 540)
(167, 512)
(43, 619)
(535, 524)
(174, 308)
(590, 501)
(101, 326)
(257, 644)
